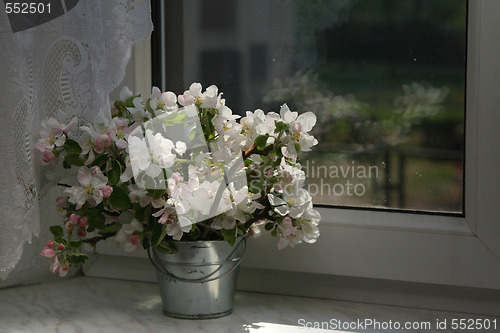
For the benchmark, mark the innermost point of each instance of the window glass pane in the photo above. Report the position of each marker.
(386, 79)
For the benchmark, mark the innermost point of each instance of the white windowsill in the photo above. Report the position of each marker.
(104, 305)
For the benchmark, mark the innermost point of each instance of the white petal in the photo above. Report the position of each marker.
(84, 176)
(97, 195)
(99, 181)
(60, 141)
(180, 147)
(185, 223)
(155, 92)
(125, 93)
(282, 210)
(122, 144)
(209, 102)
(212, 91)
(195, 89)
(138, 226)
(275, 201)
(91, 158)
(287, 115)
(282, 243)
(307, 120)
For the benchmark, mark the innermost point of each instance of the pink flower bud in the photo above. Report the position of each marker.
(48, 253)
(60, 201)
(134, 240)
(65, 267)
(74, 218)
(69, 226)
(48, 157)
(106, 191)
(50, 244)
(114, 112)
(95, 170)
(82, 232)
(61, 247)
(103, 141)
(120, 124)
(84, 222)
(98, 149)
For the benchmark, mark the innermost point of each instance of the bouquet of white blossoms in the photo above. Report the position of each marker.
(173, 168)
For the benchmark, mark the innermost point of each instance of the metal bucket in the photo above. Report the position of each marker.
(199, 281)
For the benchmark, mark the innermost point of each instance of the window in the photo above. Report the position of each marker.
(385, 78)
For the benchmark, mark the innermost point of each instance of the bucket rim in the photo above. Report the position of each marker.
(207, 241)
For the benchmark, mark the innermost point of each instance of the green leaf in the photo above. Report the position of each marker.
(58, 232)
(129, 103)
(78, 258)
(229, 236)
(297, 148)
(139, 213)
(147, 213)
(119, 105)
(72, 147)
(76, 244)
(261, 142)
(281, 126)
(115, 173)
(195, 232)
(274, 233)
(277, 151)
(119, 198)
(100, 160)
(66, 165)
(167, 246)
(156, 194)
(158, 233)
(73, 159)
(96, 220)
(269, 226)
(110, 229)
(256, 186)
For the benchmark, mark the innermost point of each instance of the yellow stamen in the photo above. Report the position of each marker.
(88, 189)
(51, 140)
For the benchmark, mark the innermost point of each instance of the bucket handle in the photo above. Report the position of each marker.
(208, 278)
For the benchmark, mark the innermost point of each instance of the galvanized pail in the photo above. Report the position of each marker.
(199, 281)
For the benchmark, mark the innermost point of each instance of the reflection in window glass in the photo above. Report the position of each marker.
(385, 78)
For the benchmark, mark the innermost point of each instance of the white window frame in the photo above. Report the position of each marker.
(448, 250)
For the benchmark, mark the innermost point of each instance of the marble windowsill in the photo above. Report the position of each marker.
(86, 304)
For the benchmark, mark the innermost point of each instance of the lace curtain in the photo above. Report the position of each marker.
(63, 68)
